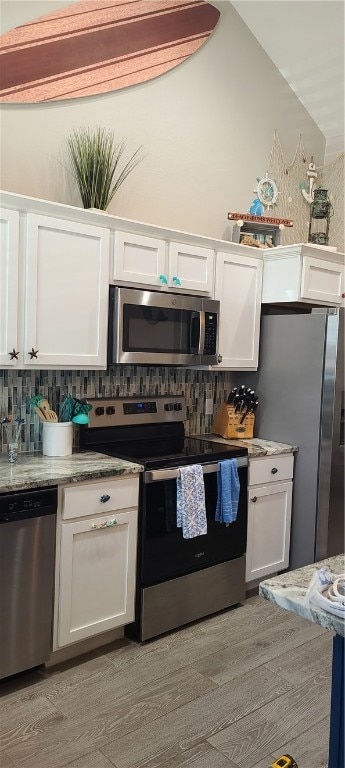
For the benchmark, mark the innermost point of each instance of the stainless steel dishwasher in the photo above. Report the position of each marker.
(27, 562)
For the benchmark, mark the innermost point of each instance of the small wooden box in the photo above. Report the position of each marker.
(227, 423)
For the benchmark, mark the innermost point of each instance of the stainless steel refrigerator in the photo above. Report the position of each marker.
(300, 383)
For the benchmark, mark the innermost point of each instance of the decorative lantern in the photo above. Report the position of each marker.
(320, 209)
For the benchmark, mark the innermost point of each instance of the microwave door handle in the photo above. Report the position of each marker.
(197, 348)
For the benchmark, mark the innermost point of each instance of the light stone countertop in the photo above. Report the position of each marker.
(35, 470)
(256, 445)
(288, 590)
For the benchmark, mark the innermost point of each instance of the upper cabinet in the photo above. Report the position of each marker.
(54, 292)
(303, 273)
(158, 263)
(238, 288)
(9, 269)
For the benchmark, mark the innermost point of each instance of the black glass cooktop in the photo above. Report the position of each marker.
(173, 452)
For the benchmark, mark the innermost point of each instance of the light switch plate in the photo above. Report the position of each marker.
(209, 406)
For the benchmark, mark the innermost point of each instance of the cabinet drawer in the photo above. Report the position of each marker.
(270, 469)
(85, 498)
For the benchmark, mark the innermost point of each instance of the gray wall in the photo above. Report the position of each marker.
(207, 128)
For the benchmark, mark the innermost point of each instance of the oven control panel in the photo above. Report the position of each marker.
(119, 411)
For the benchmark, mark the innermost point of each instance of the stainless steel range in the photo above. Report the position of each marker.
(178, 580)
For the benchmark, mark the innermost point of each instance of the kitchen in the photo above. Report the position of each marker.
(21, 381)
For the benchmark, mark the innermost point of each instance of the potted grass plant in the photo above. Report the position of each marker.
(98, 165)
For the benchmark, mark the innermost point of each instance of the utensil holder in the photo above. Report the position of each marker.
(227, 423)
(57, 438)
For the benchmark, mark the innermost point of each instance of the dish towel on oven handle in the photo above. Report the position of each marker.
(190, 501)
(228, 485)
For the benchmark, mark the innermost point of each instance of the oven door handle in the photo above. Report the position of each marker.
(157, 475)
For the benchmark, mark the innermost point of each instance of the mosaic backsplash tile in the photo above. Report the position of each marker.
(16, 387)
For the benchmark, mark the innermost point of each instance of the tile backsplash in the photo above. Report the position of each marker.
(16, 387)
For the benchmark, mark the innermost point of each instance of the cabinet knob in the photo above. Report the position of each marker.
(254, 498)
(33, 353)
(343, 295)
(163, 279)
(219, 358)
(176, 281)
(13, 355)
(274, 470)
(105, 497)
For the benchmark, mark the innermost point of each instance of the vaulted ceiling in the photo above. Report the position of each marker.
(305, 40)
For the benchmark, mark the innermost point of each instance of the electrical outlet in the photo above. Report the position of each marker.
(209, 406)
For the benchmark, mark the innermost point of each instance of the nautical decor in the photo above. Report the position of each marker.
(308, 193)
(267, 191)
(93, 47)
(257, 230)
(320, 209)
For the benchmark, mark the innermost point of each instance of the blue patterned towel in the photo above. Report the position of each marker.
(190, 501)
(228, 485)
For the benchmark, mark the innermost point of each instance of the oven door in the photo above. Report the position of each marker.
(164, 553)
(150, 327)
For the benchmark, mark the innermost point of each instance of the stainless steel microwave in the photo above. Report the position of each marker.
(155, 328)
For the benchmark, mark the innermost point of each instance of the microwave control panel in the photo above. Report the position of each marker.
(210, 345)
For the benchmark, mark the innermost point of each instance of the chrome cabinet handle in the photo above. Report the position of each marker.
(103, 524)
(105, 497)
(220, 358)
(254, 498)
(274, 470)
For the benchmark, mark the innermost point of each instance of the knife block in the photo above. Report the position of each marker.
(227, 423)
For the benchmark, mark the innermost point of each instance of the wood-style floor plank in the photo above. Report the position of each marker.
(80, 732)
(5, 761)
(201, 756)
(195, 722)
(259, 649)
(92, 760)
(134, 667)
(265, 730)
(310, 659)
(17, 716)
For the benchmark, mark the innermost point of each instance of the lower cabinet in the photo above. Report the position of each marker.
(269, 523)
(95, 575)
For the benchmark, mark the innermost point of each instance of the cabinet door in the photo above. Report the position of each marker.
(191, 268)
(97, 575)
(139, 259)
(238, 288)
(9, 255)
(269, 521)
(66, 294)
(322, 281)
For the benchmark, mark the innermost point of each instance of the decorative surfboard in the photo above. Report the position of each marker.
(96, 46)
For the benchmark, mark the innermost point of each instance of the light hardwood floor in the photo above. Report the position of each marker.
(233, 691)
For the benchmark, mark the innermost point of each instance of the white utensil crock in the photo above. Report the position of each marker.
(57, 438)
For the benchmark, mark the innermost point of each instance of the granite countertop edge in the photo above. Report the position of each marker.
(38, 471)
(288, 590)
(256, 446)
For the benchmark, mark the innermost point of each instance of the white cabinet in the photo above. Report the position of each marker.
(238, 288)
(54, 292)
(191, 267)
(96, 561)
(269, 516)
(154, 262)
(9, 304)
(303, 273)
